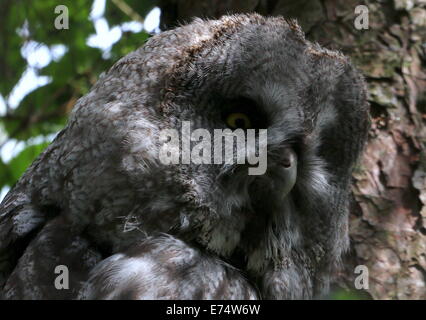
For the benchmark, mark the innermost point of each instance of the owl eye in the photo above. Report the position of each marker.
(238, 120)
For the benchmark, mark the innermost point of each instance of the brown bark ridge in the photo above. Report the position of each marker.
(388, 216)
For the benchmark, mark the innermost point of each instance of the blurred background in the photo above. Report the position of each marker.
(44, 70)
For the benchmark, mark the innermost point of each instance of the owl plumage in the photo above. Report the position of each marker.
(99, 201)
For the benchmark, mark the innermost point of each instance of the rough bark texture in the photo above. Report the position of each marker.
(388, 217)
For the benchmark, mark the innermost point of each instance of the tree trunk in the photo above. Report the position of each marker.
(388, 216)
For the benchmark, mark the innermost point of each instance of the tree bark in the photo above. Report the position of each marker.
(388, 216)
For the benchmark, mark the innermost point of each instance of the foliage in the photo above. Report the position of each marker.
(44, 111)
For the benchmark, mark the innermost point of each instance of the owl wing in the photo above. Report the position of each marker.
(20, 218)
(164, 267)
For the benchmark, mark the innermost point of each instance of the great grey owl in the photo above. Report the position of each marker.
(128, 226)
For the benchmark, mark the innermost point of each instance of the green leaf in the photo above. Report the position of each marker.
(6, 177)
(23, 160)
(116, 16)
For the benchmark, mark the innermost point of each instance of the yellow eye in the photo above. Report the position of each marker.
(238, 120)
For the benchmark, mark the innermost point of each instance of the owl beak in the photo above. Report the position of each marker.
(288, 163)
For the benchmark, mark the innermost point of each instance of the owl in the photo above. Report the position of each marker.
(101, 203)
